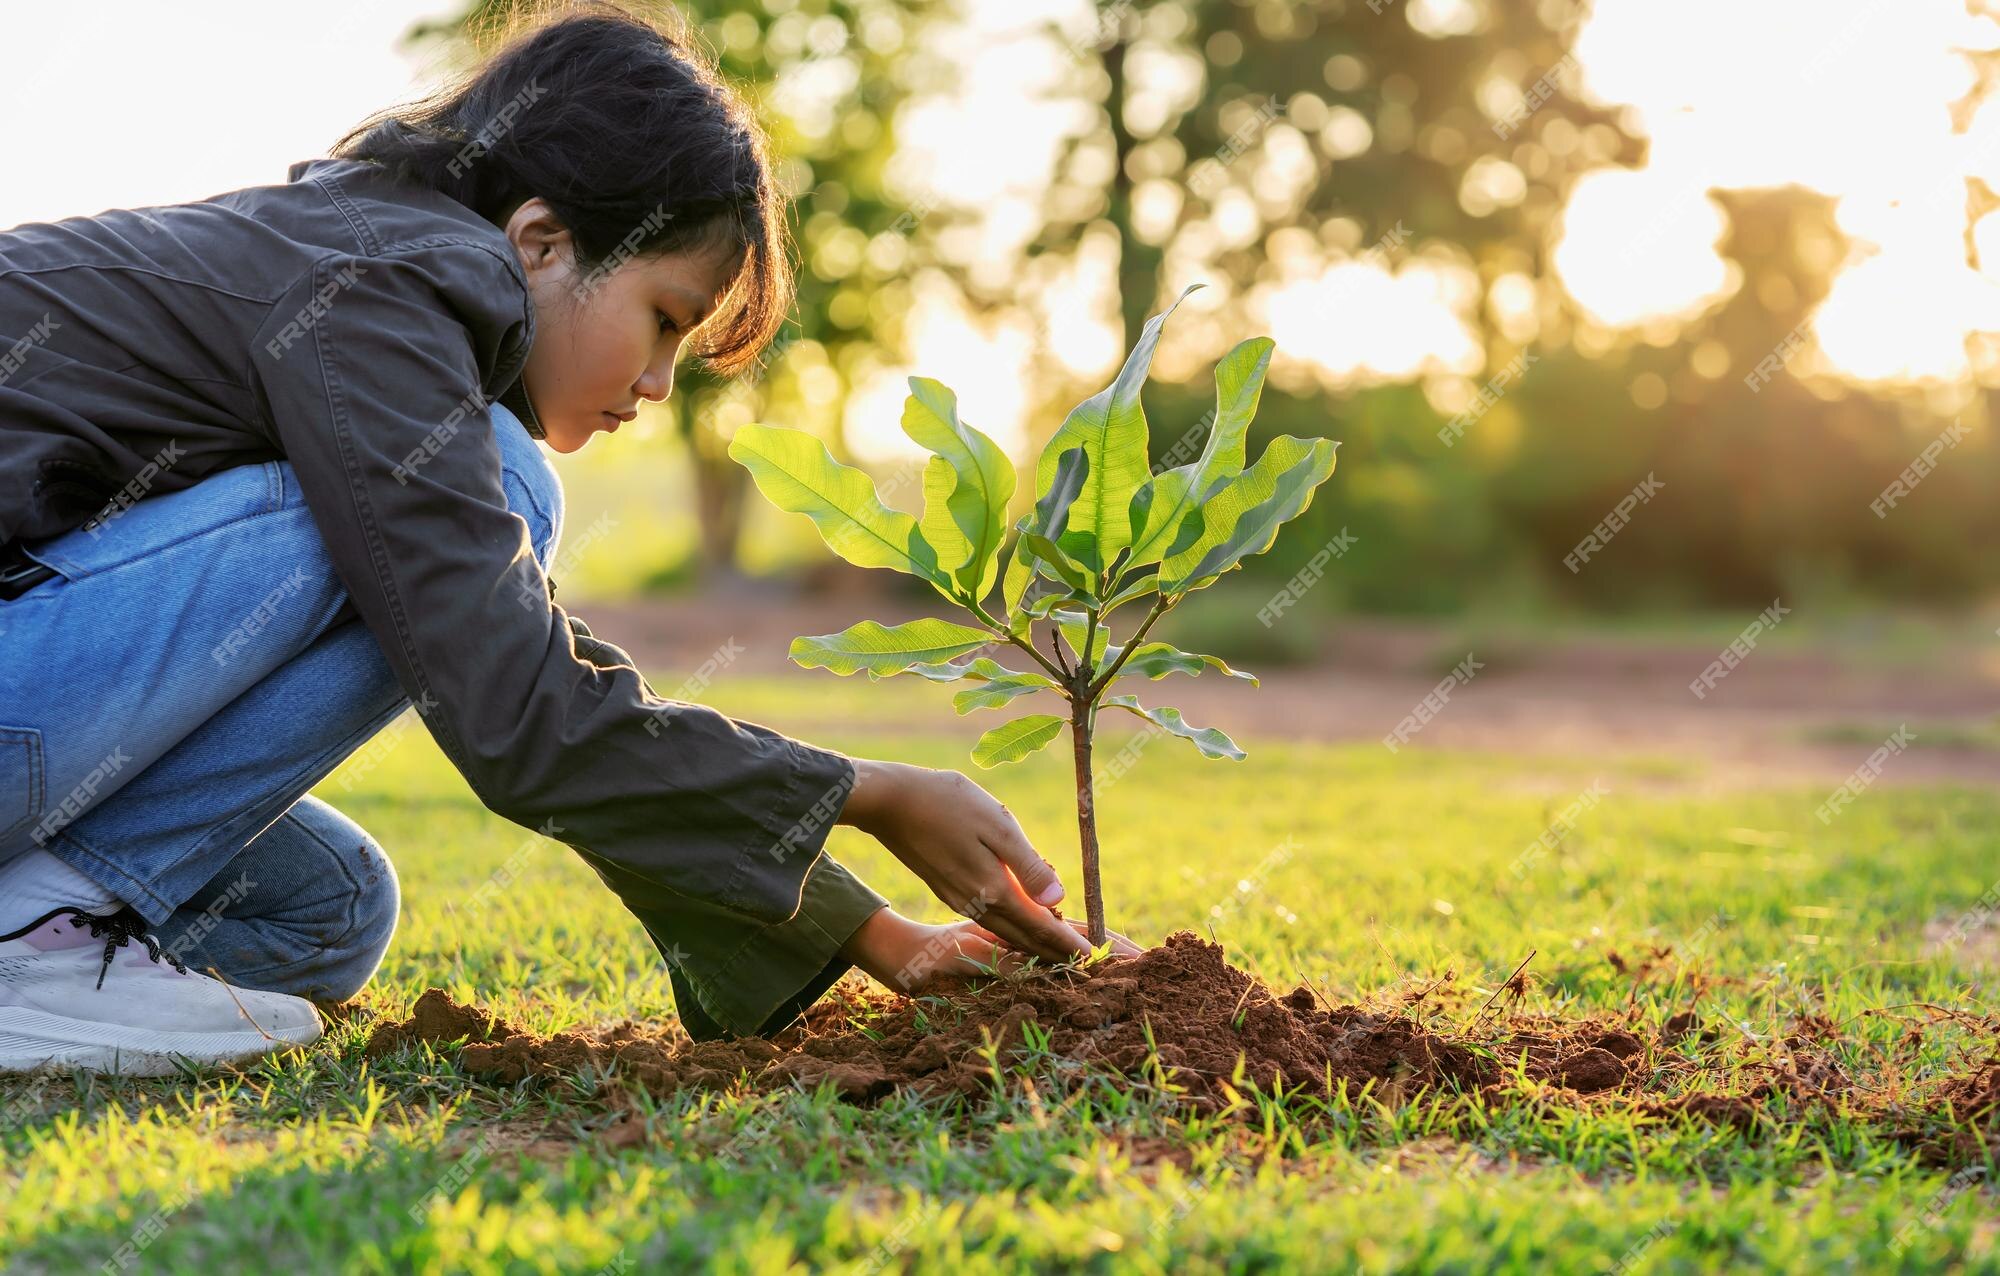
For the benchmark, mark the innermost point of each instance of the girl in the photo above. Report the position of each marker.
(269, 475)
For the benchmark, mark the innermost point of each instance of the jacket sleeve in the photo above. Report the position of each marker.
(368, 372)
(729, 977)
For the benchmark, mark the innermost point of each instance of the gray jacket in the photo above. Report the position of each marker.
(357, 328)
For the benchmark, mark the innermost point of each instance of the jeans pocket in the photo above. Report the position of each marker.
(20, 780)
(145, 524)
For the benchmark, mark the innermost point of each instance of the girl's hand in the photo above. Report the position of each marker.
(906, 955)
(967, 848)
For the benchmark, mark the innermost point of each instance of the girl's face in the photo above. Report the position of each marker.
(606, 341)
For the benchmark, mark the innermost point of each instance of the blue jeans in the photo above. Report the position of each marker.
(168, 698)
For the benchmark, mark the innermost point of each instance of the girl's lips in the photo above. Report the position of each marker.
(611, 422)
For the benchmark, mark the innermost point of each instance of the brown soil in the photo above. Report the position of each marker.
(1180, 1017)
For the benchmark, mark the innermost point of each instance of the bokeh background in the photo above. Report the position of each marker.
(1520, 258)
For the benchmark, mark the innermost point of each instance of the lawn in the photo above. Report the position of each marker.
(1365, 873)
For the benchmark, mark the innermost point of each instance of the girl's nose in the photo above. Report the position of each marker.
(656, 384)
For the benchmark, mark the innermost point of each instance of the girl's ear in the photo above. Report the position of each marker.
(539, 236)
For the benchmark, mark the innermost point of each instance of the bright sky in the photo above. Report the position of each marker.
(123, 103)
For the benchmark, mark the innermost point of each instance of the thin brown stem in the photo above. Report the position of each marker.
(1086, 822)
(1096, 688)
(1001, 632)
(1055, 648)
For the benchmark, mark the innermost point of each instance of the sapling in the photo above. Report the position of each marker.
(1104, 533)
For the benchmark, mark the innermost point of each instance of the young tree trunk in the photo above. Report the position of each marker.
(1086, 826)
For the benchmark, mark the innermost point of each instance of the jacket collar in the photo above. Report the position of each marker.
(515, 397)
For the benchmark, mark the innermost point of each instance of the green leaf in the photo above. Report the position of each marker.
(1046, 603)
(1139, 587)
(1158, 659)
(883, 650)
(966, 486)
(1020, 574)
(1047, 554)
(997, 692)
(796, 473)
(1012, 741)
(1052, 507)
(1243, 517)
(1110, 427)
(1166, 512)
(1074, 624)
(978, 669)
(1211, 742)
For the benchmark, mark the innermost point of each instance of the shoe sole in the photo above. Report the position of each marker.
(30, 1040)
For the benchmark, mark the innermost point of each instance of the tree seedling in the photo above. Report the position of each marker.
(1105, 532)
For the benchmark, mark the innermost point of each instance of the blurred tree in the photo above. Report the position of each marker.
(825, 77)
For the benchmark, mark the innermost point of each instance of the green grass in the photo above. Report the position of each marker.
(1398, 869)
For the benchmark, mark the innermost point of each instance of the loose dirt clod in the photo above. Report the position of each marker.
(1182, 1016)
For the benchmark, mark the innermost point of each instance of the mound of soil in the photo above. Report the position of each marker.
(1181, 999)
(1185, 1007)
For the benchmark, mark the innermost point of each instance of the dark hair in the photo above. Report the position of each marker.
(629, 133)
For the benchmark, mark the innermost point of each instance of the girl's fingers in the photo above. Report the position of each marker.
(1120, 946)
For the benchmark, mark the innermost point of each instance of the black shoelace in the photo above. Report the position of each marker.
(121, 928)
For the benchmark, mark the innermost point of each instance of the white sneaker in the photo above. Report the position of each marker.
(75, 991)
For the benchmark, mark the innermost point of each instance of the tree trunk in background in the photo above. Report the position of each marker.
(1138, 263)
(719, 494)
(720, 489)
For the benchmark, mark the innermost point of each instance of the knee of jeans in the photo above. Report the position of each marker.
(351, 959)
(344, 938)
(534, 490)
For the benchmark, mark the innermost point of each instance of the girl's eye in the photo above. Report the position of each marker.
(666, 322)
